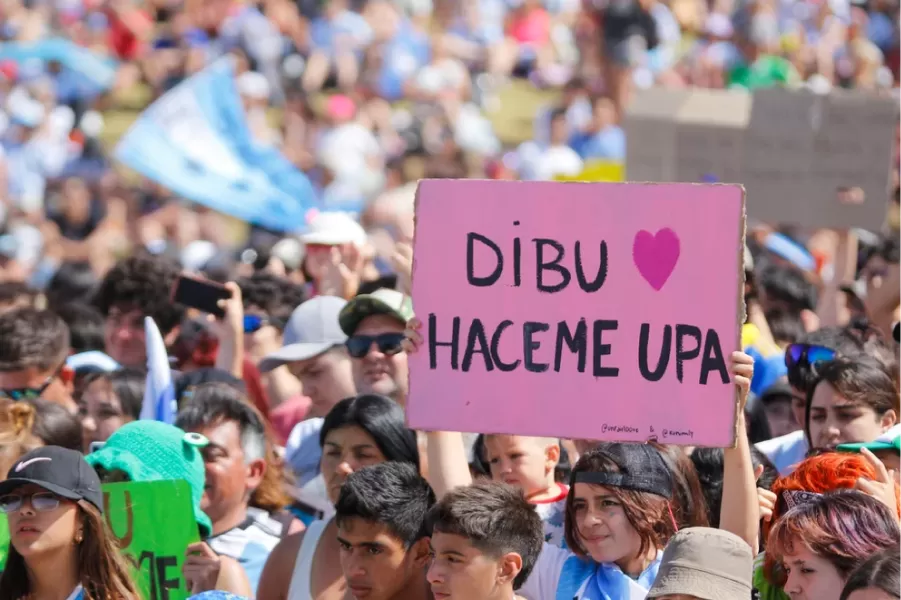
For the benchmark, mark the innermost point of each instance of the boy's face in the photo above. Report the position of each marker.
(375, 563)
(459, 571)
(519, 461)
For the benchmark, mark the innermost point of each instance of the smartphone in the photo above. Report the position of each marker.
(95, 446)
(202, 294)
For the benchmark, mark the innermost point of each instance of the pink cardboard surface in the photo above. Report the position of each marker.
(600, 311)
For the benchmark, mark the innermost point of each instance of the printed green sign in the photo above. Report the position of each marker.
(154, 523)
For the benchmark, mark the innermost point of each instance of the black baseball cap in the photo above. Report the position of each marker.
(59, 470)
(641, 468)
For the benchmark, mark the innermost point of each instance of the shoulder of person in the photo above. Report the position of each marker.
(232, 577)
(280, 564)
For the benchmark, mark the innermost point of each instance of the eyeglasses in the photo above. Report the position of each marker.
(41, 502)
(807, 355)
(388, 343)
(30, 393)
(253, 323)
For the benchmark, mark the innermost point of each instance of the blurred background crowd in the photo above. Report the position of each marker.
(368, 96)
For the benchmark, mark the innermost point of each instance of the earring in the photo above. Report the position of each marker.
(79, 536)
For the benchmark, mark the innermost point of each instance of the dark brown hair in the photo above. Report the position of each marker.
(647, 513)
(880, 571)
(32, 338)
(689, 505)
(103, 571)
(495, 518)
(862, 380)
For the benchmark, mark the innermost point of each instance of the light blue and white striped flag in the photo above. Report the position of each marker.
(159, 393)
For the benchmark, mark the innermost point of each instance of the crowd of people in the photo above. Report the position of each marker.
(305, 482)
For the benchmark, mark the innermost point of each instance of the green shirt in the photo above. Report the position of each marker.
(766, 71)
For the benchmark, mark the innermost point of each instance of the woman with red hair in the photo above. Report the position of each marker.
(823, 538)
(817, 475)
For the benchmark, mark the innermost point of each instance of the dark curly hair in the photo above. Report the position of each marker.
(277, 296)
(142, 282)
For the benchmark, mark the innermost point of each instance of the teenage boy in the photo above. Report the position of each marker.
(381, 517)
(486, 539)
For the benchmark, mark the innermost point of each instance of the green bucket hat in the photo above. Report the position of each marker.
(155, 451)
(380, 302)
(890, 440)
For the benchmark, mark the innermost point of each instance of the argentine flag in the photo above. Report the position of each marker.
(159, 393)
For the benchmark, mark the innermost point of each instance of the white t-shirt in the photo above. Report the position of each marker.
(785, 451)
(553, 515)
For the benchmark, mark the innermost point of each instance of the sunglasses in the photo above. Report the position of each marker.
(40, 501)
(807, 355)
(29, 393)
(388, 343)
(253, 323)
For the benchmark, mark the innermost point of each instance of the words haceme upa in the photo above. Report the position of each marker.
(545, 344)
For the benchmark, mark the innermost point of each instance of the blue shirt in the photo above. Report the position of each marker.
(607, 144)
(404, 54)
(326, 33)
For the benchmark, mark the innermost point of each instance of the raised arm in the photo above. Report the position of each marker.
(446, 454)
(740, 512)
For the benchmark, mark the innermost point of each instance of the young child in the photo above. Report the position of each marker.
(486, 539)
(529, 463)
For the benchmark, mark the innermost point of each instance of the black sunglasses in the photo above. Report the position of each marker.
(807, 355)
(358, 346)
(30, 393)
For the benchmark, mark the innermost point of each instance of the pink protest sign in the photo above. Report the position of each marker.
(601, 311)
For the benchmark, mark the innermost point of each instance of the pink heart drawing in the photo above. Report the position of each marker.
(656, 255)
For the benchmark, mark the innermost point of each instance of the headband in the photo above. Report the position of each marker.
(793, 498)
(651, 485)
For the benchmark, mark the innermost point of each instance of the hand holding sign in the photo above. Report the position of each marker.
(742, 372)
(412, 337)
(201, 568)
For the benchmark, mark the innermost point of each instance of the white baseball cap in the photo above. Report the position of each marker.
(334, 229)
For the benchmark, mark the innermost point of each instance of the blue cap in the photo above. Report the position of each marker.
(786, 248)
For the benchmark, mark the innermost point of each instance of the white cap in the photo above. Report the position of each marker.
(197, 254)
(253, 85)
(24, 110)
(333, 229)
(289, 251)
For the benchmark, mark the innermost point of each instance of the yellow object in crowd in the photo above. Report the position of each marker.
(598, 170)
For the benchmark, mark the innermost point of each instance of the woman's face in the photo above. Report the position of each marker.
(601, 523)
(810, 576)
(101, 413)
(42, 522)
(344, 451)
(836, 420)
